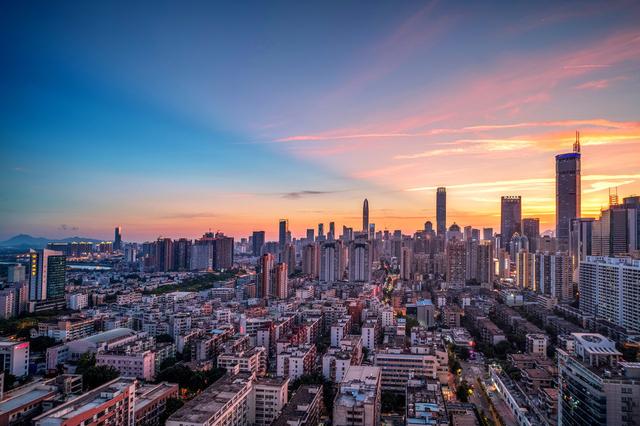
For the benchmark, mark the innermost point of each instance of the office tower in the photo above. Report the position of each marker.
(595, 387)
(372, 230)
(475, 234)
(552, 275)
(320, 232)
(487, 234)
(567, 192)
(365, 216)
(456, 263)
(347, 234)
(283, 229)
(311, 235)
(360, 261)
(454, 233)
(267, 262)
(117, 240)
(441, 210)
(518, 242)
(617, 231)
(531, 230)
(332, 231)
(282, 281)
(258, 242)
(310, 259)
(47, 270)
(609, 288)
(15, 273)
(428, 226)
(358, 399)
(182, 254)
(510, 218)
(330, 261)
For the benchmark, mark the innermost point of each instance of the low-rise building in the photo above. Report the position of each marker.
(303, 409)
(358, 398)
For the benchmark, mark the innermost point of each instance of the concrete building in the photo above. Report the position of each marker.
(426, 311)
(609, 289)
(595, 387)
(399, 365)
(253, 360)
(130, 363)
(537, 344)
(268, 397)
(358, 399)
(224, 403)
(14, 357)
(151, 402)
(113, 403)
(303, 409)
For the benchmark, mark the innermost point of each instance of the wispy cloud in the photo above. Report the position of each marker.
(65, 227)
(306, 193)
(431, 153)
(190, 215)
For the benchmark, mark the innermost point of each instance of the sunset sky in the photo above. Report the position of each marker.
(173, 118)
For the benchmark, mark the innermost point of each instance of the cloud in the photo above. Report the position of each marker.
(65, 227)
(432, 153)
(300, 194)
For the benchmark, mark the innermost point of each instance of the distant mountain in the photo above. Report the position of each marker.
(27, 241)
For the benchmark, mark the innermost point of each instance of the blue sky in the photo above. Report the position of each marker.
(171, 118)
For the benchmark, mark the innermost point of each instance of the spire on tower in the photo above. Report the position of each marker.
(576, 144)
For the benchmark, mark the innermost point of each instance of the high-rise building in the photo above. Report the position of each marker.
(310, 235)
(456, 263)
(567, 192)
(441, 210)
(595, 387)
(117, 240)
(283, 230)
(531, 230)
(182, 254)
(331, 261)
(580, 239)
(332, 231)
(487, 234)
(257, 242)
(267, 262)
(321, 232)
(163, 255)
(510, 218)
(310, 259)
(16, 273)
(282, 281)
(609, 288)
(360, 261)
(288, 256)
(552, 275)
(365, 216)
(47, 270)
(616, 231)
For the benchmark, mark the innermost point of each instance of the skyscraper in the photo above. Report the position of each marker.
(365, 216)
(531, 230)
(567, 192)
(266, 265)
(282, 280)
(332, 231)
(283, 229)
(47, 270)
(258, 242)
(510, 217)
(321, 232)
(360, 261)
(441, 210)
(487, 234)
(117, 240)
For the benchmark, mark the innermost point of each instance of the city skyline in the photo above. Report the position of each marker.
(216, 119)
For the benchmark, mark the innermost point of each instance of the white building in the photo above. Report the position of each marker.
(267, 398)
(77, 301)
(609, 289)
(139, 364)
(14, 358)
(358, 398)
(537, 344)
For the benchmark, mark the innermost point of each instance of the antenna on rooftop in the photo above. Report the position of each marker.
(613, 198)
(576, 144)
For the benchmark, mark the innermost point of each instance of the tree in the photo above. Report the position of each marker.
(463, 353)
(462, 392)
(502, 349)
(171, 407)
(41, 343)
(98, 375)
(167, 363)
(393, 402)
(164, 338)
(85, 362)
